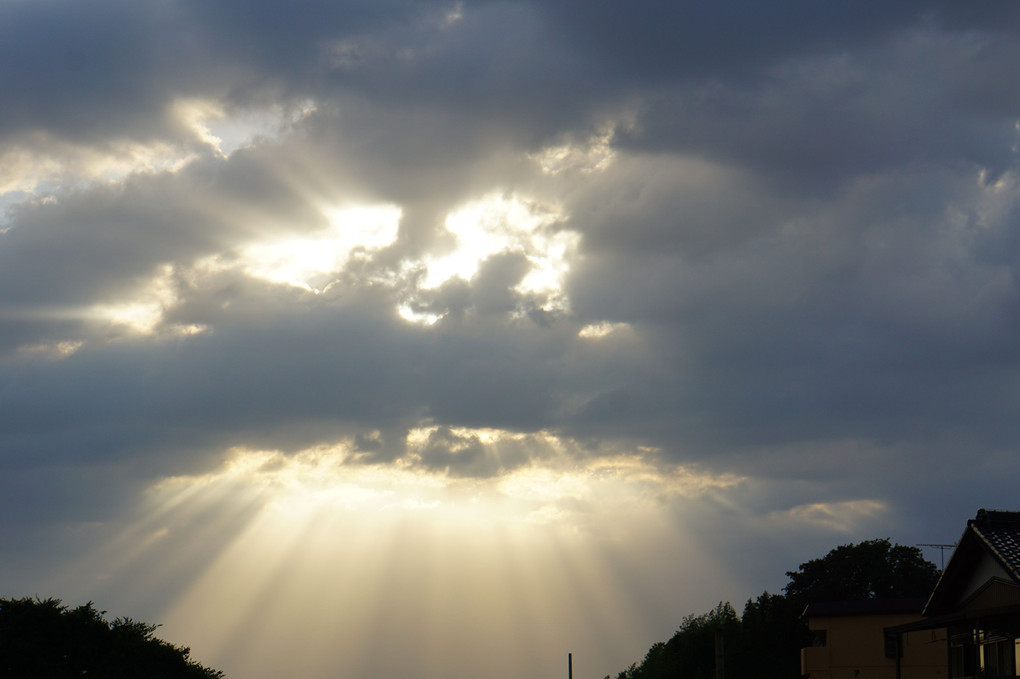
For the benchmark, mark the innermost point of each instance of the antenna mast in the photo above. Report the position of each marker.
(942, 550)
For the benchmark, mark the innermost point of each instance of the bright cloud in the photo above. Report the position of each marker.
(307, 261)
(844, 517)
(499, 223)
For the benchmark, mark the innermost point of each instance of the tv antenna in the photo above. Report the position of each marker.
(942, 550)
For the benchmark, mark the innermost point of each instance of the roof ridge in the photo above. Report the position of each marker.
(996, 516)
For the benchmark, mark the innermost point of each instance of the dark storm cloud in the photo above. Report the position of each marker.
(353, 363)
(878, 316)
(736, 38)
(70, 66)
(111, 69)
(926, 96)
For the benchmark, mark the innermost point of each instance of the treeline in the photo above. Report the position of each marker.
(45, 639)
(764, 641)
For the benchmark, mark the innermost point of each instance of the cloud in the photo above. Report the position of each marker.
(812, 122)
(715, 277)
(760, 312)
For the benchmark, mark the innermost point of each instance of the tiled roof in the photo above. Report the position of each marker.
(1001, 532)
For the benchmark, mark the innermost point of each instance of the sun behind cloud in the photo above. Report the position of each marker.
(311, 261)
(500, 224)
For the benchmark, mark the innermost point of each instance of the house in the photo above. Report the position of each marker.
(977, 599)
(850, 641)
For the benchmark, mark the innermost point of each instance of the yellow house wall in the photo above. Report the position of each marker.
(855, 649)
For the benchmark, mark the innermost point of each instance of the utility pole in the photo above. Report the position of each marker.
(720, 655)
(570, 666)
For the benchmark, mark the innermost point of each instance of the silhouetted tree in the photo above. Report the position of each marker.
(43, 638)
(690, 653)
(873, 569)
(771, 636)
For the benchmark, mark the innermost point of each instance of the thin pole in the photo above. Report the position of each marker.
(570, 666)
(720, 655)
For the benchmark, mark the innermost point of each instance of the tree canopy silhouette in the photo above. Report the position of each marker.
(44, 638)
(873, 569)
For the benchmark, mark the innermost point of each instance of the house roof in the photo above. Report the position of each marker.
(992, 534)
(831, 609)
(1000, 531)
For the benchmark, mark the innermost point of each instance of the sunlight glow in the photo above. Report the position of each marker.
(495, 224)
(50, 350)
(419, 436)
(226, 131)
(409, 313)
(141, 313)
(594, 155)
(307, 261)
(601, 329)
(330, 476)
(315, 564)
(194, 114)
(139, 317)
(144, 311)
(454, 14)
(39, 163)
(844, 517)
(501, 224)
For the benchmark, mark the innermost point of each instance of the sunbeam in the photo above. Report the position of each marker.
(318, 563)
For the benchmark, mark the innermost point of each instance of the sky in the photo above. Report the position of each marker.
(384, 338)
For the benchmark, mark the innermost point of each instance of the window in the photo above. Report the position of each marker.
(892, 645)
